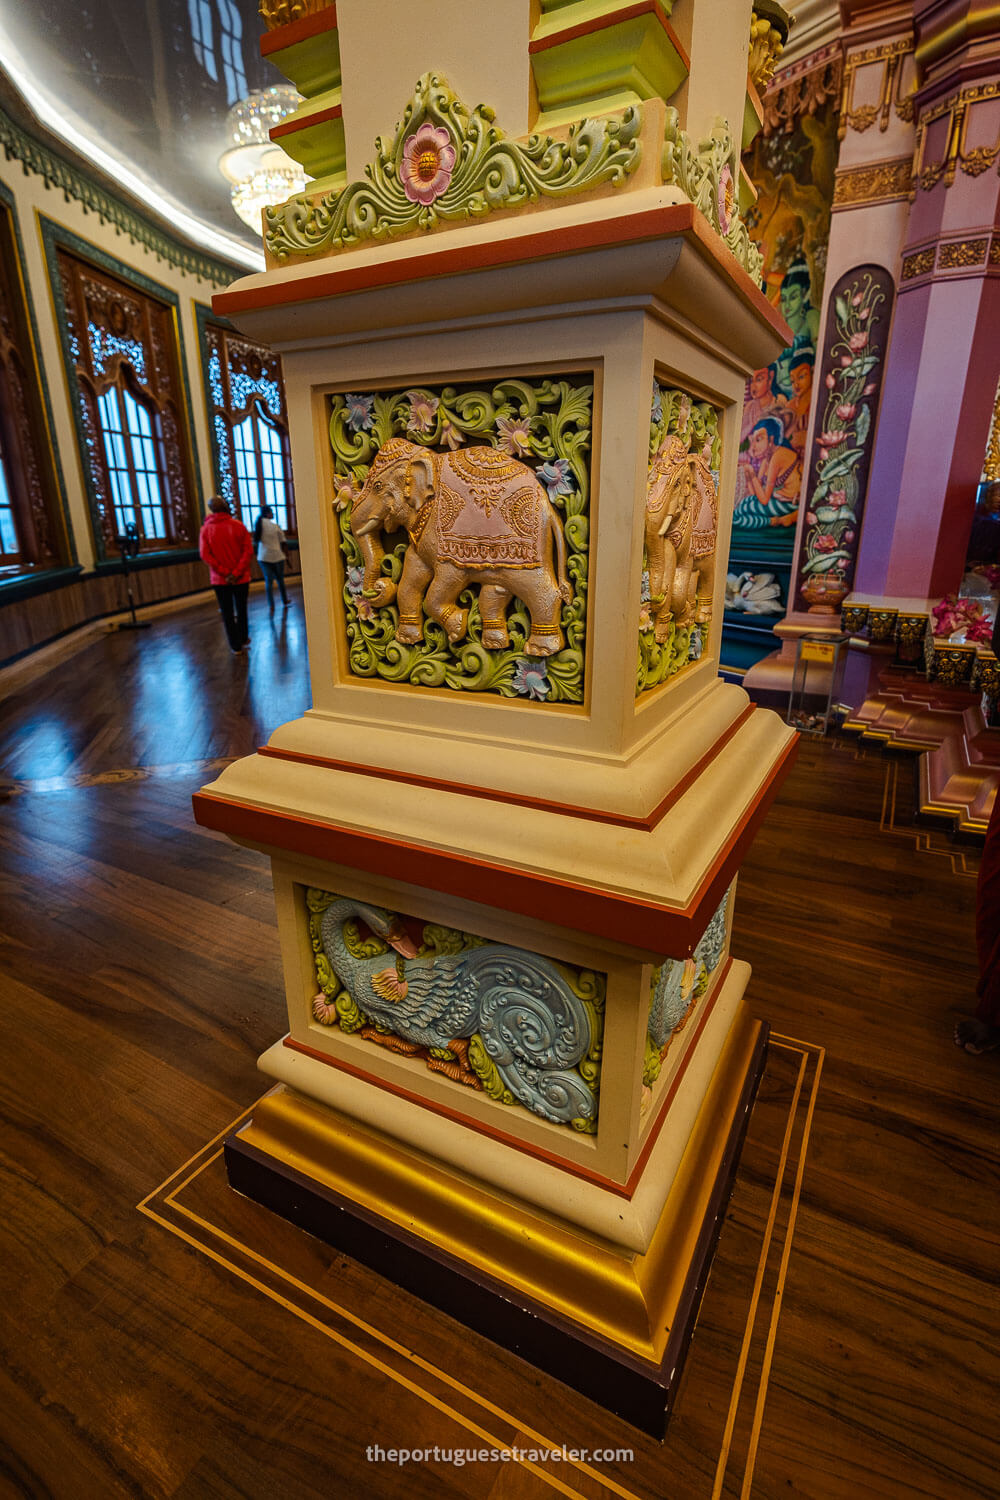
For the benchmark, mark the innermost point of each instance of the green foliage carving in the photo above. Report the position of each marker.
(697, 422)
(709, 174)
(480, 172)
(547, 425)
(590, 987)
(485, 1070)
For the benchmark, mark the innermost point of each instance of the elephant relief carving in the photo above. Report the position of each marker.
(681, 522)
(473, 517)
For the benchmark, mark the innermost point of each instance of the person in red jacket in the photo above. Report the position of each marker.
(227, 547)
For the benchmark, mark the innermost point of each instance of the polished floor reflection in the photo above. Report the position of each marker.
(163, 696)
(204, 1353)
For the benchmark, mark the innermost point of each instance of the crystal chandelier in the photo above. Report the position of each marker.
(259, 172)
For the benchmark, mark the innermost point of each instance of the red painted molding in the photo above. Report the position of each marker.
(292, 127)
(607, 914)
(344, 278)
(298, 31)
(568, 809)
(602, 23)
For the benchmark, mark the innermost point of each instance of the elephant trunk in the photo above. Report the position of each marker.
(379, 590)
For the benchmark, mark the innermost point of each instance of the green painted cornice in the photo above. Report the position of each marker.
(57, 172)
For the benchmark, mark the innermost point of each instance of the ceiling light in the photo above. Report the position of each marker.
(259, 172)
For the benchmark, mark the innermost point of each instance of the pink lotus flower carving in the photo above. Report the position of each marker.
(427, 163)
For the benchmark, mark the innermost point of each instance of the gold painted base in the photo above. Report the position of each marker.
(606, 1320)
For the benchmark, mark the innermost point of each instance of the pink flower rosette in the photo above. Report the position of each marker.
(427, 163)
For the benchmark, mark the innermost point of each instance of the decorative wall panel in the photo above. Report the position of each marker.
(490, 487)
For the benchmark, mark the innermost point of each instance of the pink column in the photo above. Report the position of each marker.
(936, 227)
(944, 359)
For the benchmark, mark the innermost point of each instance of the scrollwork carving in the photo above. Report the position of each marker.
(709, 176)
(676, 985)
(514, 1024)
(448, 164)
(524, 639)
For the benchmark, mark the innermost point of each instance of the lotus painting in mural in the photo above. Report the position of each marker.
(856, 331)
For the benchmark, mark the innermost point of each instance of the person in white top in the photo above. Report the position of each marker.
(270, 540)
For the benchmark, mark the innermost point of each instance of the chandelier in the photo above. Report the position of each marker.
(258, 171)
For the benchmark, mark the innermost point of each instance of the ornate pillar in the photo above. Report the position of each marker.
(505, 836)
(917, 204)
(943, 363)
(792, 166)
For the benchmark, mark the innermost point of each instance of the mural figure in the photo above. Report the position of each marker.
(795, 415)
(792, 164)
(761, 400)
(770, 478)
(795, 302)
(474, 516)
(532, 1026)
(681, 520)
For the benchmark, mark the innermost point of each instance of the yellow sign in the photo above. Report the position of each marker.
(817, 651)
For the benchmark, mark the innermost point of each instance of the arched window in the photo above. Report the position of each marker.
(10, 547)
(133, 450)
(249, 427)
(122, 347)
(32, 531)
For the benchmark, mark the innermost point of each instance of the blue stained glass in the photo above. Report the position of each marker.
(246, 469)
(244, 389)
(8, 536)
(103, 345)
(225, 465)
(144, 460)
(273, 469)
(215, 379)
(8, 532)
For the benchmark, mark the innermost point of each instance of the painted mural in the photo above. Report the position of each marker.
(681, 521)
(515, 1025)
(793, 172)
(857, 334)
(464, 534)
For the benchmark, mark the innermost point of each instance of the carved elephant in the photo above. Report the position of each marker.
(680, 525)
(474, 516)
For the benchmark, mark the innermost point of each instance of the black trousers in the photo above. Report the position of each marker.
(232, 599)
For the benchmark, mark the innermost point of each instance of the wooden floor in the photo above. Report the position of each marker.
(161, 1337)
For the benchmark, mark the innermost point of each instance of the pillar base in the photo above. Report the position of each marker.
(612, 1324)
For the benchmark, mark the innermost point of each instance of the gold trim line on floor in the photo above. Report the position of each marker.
(165, 1198)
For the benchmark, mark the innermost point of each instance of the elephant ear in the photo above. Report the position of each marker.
(420, 480)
